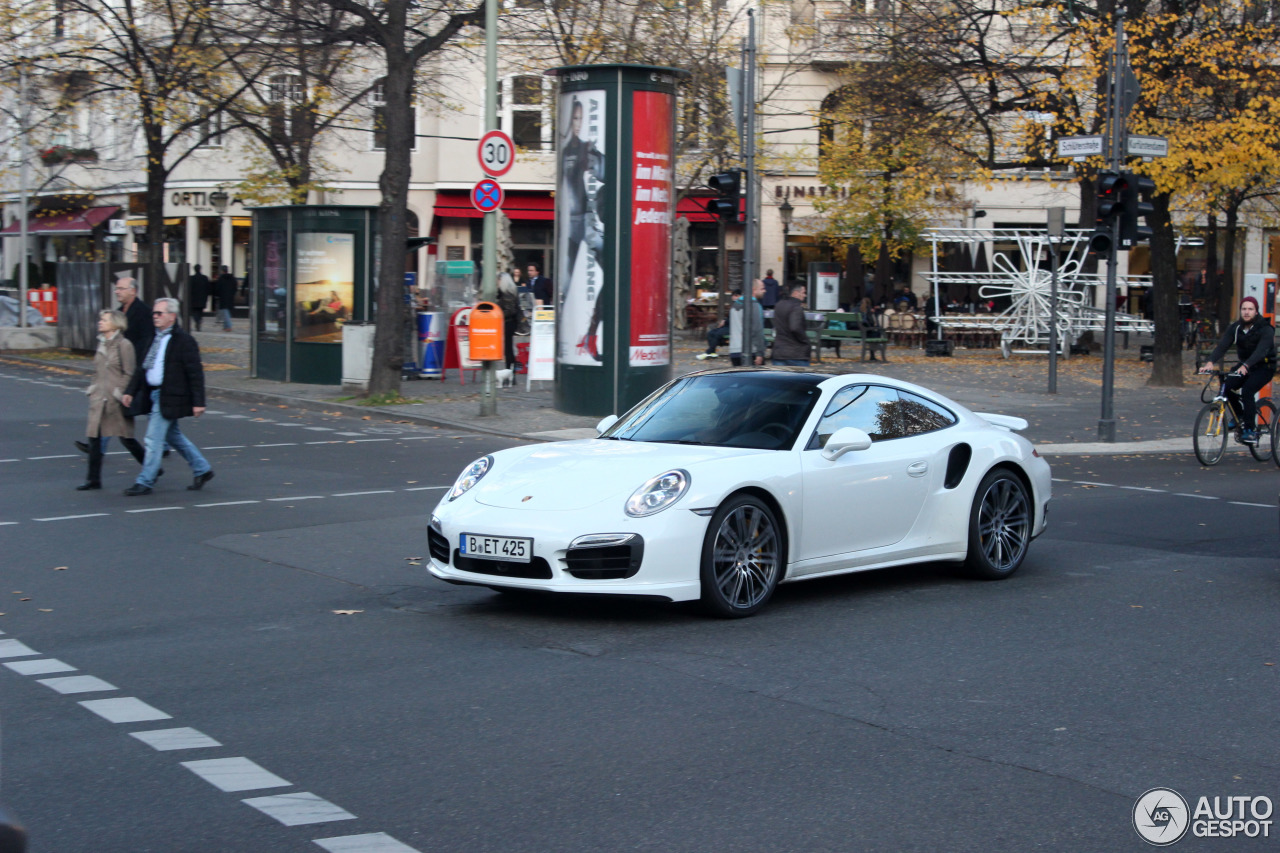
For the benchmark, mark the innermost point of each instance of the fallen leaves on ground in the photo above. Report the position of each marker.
(347, 612)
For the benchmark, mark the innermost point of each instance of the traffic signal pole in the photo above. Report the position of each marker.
(1107, 422)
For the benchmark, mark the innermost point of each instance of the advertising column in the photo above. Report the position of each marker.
(614, 209)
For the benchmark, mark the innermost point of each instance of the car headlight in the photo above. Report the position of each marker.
(474, 473)
(658, 493)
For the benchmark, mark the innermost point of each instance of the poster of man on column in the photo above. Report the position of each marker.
(580, 230)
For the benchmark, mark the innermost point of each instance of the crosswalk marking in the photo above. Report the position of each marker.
(297, 809)
(164, 740)
(235, 774)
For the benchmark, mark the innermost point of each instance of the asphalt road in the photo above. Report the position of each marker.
(278, 622)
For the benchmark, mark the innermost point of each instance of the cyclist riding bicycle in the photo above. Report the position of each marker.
(1255, 342)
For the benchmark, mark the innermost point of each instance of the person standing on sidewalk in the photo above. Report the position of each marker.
(1255, 343)
(224, 292)
(198, 293)
(136, 312)
(170, 383)
(790, 338)
(113, 368)
(744, 308)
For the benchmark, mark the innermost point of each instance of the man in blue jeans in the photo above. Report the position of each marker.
(169, 385)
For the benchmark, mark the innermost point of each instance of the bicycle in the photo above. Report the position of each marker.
(1221, 415)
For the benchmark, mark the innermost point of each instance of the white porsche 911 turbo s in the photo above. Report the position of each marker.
(722, 484)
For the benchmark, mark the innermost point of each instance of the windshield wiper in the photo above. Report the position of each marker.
(674, 441)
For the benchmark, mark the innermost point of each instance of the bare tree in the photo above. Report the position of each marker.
(401, 34)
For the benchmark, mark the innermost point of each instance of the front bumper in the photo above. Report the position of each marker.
(668, 556)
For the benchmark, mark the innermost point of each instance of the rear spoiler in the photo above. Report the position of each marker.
(1004, 421)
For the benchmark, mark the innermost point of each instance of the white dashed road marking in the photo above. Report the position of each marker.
(125, 710)
(44, 666)
(185, 737)
(300, 498)
(1201, 497)
(358, 494)
(228, 503)
(15, 649)
(77, 684)
(235, 774)
(373, 842)
(225, 774)
(154, 509)
(297, 809)
(71, 517)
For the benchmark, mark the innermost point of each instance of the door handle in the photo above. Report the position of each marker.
(918, 469)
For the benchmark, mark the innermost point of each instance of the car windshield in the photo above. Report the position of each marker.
(758, 409)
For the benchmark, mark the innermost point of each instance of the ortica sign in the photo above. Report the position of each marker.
(197, 199)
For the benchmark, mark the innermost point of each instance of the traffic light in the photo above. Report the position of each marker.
(1112, 187)
(728, 187)
(1134, 210)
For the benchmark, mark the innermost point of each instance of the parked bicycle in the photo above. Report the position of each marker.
(1221, 416)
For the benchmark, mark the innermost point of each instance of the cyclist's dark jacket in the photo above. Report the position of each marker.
(1255, 344)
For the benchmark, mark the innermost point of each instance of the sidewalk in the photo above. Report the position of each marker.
(1154, 420)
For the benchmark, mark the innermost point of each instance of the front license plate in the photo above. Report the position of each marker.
(510, 549)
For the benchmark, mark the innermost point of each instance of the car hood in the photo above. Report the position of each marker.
(573, 475)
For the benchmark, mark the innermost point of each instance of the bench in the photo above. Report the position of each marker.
(852, 331)
(833, 338)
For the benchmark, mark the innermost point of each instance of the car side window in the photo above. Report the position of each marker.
(914, 415)
(868, 407)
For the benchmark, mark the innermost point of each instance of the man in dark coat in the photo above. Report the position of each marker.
(140, 330)
(197, 295)
(543, 293)
(169, 385)
(790, 339)
(224, 291)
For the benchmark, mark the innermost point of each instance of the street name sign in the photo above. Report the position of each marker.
(1080, 146)
(1147, 146)
(486, 195)
(497, 153)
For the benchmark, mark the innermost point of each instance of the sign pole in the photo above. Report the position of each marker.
(1057, 227)
(489, 273)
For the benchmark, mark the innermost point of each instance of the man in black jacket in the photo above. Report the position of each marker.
(790, 337)
(140, 330)
(168, 385)
(1255, 343)
(224, 291)
(198, 294)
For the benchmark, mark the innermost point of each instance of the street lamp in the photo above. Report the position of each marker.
(219, 200)
(786, 211)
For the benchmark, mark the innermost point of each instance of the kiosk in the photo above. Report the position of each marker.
(312, 273)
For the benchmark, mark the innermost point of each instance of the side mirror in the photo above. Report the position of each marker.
(843, 440)
(605, 423)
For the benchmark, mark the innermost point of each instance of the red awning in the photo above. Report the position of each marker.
(457, 204)
(79, 222)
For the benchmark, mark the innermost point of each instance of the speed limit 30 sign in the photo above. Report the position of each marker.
(497, 153)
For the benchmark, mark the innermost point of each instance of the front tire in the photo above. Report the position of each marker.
(742, 558)
(1210, 434)
(999, 526)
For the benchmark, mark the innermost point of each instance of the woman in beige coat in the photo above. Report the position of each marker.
(114, 364)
